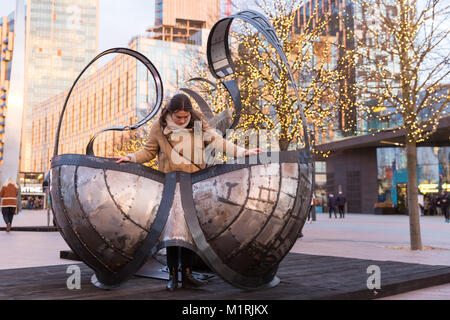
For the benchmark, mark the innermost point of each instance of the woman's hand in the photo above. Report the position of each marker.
(122, 159)
(252, 152)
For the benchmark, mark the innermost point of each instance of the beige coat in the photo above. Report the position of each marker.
(187, 152)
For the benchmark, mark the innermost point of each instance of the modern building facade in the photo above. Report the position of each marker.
(7, 45)
(185, 21)
(345, 28)
(119, 93)
(331, 49)
(61, 38)
(12, 84)
(57, 39)
(370, 169)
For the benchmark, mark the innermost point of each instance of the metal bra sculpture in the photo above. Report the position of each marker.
(242, 219)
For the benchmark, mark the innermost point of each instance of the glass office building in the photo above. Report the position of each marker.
(61, 38)
(6, 45)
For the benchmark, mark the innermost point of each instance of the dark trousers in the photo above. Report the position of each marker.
(177, 255)
(341, 211)
(334, 210)
(445, 212)
(8, 214)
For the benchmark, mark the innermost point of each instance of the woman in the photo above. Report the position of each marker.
(174, 139)
(9, 193)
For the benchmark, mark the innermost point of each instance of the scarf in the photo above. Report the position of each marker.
(172, 126)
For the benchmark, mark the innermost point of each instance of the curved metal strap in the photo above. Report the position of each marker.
(206, 252)
(219, 57)
(233, 90)
(206, 110)
(212, 84)
(159, 95)
(150, 242)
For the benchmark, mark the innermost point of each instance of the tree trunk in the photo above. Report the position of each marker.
(413, 204)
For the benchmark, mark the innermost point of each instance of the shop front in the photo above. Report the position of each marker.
(433, 175)
(32, 192)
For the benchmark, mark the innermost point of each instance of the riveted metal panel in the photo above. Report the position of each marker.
(112, 224)
(219, 200)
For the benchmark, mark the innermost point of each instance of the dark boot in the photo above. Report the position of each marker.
(188, 280)
(173, 279)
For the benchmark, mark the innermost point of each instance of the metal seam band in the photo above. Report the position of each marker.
(205, 251)
(151, 241)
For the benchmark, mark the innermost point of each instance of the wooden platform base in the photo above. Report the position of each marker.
(302, 277)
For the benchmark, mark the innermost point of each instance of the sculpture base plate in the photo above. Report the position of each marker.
(156, 270)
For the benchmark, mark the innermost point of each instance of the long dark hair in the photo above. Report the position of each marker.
(180, 102)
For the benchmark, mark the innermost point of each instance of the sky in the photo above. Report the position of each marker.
(119, 20)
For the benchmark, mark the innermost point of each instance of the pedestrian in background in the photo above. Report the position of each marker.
(341, 201)
(427, 206)
(311, 208)
(436, 205)
(332, 205)
(9, 193)
(420, 201)
(444, 202)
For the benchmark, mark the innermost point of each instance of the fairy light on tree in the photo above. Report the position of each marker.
(402, 50)
(268, 98)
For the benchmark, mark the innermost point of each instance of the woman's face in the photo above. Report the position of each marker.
(180, 117)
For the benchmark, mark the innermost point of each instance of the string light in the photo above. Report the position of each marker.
(386, 57)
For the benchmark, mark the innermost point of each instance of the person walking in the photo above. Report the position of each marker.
(420, 202)
(311, 208)
(341, 201)
(444, 202)
(436, 205)
(172, 140)
(9, 193)
(332, 205)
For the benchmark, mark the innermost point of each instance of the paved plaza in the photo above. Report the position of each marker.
(362, 236)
